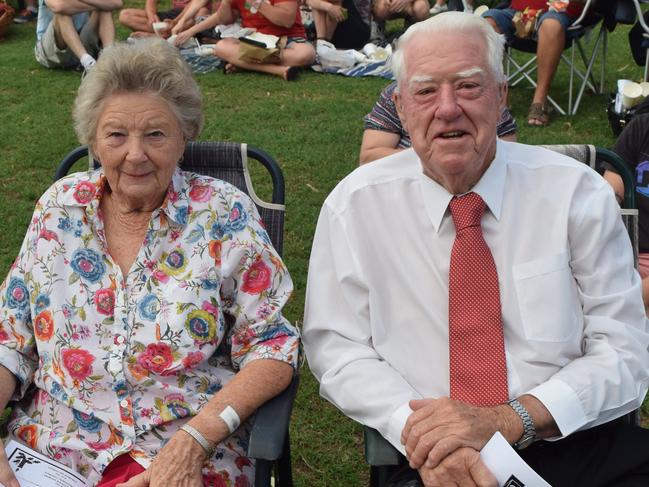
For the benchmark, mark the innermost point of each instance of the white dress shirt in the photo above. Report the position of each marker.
(376, 323)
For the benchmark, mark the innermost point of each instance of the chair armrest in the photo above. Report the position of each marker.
(271, 424)
(378, 450)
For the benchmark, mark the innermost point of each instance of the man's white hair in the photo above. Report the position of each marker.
(457, 23)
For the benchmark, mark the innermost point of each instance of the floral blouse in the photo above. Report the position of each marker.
(110, 364)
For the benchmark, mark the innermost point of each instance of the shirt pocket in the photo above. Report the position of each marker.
(546, 296)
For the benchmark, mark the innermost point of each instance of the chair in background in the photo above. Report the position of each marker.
(380, 455)
(581, 68)
(269, 439)
(639, 35)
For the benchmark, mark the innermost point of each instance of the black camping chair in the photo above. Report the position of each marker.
(587, 22)
(269, 439)
(384, 460)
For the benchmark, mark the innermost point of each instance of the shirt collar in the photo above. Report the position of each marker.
(490, 187)
(86, 191)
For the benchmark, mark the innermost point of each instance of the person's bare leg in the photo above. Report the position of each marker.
(228, 50)
(550, 45)
(135, 19)
(381, 10)
(106, 29)
(66, 35)
(325, 26)
(297, 54)
(493, 24)
(418, 10)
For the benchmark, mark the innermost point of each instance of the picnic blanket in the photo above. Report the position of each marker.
(369, 68)
(200, 63)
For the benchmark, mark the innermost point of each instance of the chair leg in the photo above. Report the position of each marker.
(284, 468)
(263, 469)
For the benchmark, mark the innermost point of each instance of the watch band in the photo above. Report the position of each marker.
(529, 429)
(194, 433)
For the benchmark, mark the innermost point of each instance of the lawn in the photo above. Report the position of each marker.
(312, 126)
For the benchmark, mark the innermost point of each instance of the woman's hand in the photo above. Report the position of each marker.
(178, 464)
(7, 477)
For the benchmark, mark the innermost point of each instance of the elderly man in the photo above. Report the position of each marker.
(71, 33)
(455, 289)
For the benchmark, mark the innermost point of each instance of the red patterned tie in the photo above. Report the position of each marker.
(478, 371)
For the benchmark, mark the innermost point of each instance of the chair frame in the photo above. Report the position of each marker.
(645, 33)
(523, 71)
(380, 455)
(269, 442)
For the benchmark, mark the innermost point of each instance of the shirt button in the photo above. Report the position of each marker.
(120, 339)
(123, 403)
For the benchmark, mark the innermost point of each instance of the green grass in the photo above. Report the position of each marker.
(313, 128)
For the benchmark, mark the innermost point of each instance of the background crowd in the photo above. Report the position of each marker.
(319, 144)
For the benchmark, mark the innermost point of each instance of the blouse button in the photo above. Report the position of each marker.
(123, 403)
(120, 339)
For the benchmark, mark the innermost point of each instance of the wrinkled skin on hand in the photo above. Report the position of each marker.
(178, 464)
(463, 468)
(439, 427)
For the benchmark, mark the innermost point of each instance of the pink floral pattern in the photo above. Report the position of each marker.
(120, 362)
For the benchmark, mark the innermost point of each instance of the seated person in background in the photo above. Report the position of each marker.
(29, 13)
(471, 285)
(141, 21)
(384, 134)
(343, 23)
(142, 320)
(410, 10)
(441, 6)
(551, 36)
(276, 17)
(69, 33)
(633, 147)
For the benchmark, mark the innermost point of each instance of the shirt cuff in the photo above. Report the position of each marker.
(396, 424)
(563, 404)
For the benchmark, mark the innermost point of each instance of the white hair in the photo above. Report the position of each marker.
(457, 23)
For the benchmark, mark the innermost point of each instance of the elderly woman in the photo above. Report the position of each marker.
(280, 18)
(142, 319)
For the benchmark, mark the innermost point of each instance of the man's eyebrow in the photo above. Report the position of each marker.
(426, 78)
(467, 73)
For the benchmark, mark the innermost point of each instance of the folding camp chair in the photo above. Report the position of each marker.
(380, 455)
(579, 31)
(644, 30)
(269, 441)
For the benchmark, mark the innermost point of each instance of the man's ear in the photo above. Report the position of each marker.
(398, 103)
(503, 91)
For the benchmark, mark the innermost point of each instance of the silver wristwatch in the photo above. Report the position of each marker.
(529, 430)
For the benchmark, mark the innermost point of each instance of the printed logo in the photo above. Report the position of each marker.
(513, 482)
(642, 178)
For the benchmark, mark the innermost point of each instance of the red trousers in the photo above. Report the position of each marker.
(120, 470)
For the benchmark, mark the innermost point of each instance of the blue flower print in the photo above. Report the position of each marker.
(17, 294)
(120, 387)
(181, 214)
(88, 264)
(65, 224)
(87, 422)
(218, 231)
(149, 307)
(42, 302)
(238, 218)
(210, 284)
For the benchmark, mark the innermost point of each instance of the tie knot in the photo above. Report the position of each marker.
(467, 210)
